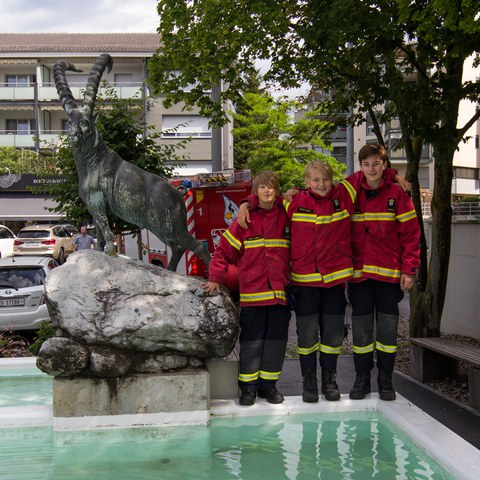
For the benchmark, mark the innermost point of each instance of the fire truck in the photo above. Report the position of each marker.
(212, 202)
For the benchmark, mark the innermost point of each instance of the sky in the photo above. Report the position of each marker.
(88, 16)
(78, 16)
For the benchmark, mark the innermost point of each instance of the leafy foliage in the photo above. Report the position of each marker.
(13, 160)
(268, 138)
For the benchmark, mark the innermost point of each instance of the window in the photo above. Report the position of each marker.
(463, 172)
(20, 80)
(181, 126)
(21, 127)
(123, 80)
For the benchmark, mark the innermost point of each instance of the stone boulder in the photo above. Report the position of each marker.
(132, 316)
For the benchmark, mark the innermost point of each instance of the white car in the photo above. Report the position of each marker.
(7, 238)
(22, 300)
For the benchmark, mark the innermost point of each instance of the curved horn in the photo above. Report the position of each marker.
(64, 92)
(104, 61)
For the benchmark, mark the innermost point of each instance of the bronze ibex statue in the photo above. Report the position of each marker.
(107, 183)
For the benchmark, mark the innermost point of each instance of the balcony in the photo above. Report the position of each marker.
(48, 92)
(9, 138)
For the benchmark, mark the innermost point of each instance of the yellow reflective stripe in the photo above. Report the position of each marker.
(307, 277)
(351, 191)
(234, 242)
(366, 349)
(384, 272)
(269, 375)
(379, 216)
(257, 243)
(357, 273)
(304, 217)
(405, 217)
(307, 351)
(345, 273)
(386, 348)
(262, 296)
(248, 377)
(333, 350)
(335, 217)
(286, 205)
(257, 297)
(358, 217)
(267, 243)
(280, 294)
(277, 242)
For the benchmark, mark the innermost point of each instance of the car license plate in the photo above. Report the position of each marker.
(12, 302)
(31, 244)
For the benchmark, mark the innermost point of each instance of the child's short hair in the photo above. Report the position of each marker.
(319, 166)
(267, 177)
(373, 149)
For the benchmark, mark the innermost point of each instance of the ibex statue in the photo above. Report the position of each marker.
(107, 183)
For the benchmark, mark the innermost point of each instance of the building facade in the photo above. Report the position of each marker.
(32, 117)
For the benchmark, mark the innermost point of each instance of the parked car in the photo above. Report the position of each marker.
(6, 242)
(47, 240)
(22, 301)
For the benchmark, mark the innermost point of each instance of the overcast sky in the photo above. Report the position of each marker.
(78, 16)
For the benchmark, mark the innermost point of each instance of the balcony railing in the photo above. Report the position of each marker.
(48, 92)
(460, 210)
(14, 138)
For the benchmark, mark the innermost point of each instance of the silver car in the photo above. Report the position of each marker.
(22, 301)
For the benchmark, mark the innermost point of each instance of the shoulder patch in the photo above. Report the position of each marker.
(336, 205)
(391, 205)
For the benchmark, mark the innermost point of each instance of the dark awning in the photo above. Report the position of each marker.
(26, 207)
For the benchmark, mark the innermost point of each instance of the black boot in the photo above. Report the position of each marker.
(310, 387)
(270, 394)
(248, 395)
(385, 386)
(361, 387)
(329, 385)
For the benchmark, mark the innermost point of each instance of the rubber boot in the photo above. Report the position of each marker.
(270, 394)
(248, 394)
(310, 387)
(385, 386)
(361, 387)
(329, 385)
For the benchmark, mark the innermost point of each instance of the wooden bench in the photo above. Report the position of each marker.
(437, 358)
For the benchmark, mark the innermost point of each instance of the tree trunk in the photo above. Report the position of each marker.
(428, 305)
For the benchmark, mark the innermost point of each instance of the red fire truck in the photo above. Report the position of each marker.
(212, 202)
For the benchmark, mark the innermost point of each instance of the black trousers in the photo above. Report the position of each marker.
(374, 323)
(263, 341)
(320, 316)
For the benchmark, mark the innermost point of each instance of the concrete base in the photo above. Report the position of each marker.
(223, 377)
(181, 394)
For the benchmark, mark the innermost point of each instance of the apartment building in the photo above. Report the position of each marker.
(347, 141)
(31, 115)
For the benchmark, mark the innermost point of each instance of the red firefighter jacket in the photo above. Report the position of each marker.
(385, 234)
(262, 252)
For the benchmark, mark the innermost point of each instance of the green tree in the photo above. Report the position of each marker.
(269, 139)
(14, 160)
(123, 130)
(407, 56)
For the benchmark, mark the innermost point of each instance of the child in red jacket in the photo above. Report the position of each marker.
(262, 252)
(385, 244)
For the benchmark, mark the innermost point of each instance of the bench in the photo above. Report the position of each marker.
(437, 358)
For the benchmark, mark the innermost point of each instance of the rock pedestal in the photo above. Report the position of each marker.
(132, 340)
